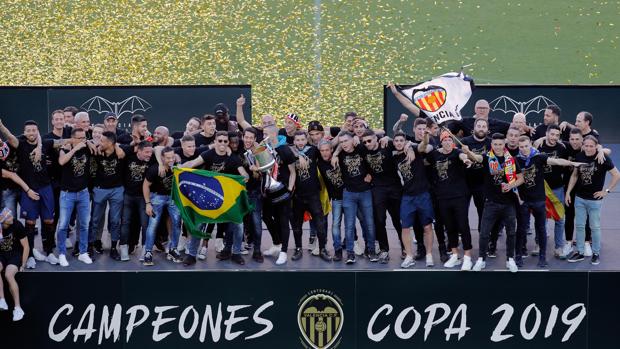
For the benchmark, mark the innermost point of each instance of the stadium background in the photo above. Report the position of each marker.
(316, 58)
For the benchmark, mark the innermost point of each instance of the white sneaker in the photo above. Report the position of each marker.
(467, 264)
(315, 250)
(38, 255)
(480, 264)
(181, 245)
(219, 245)
(244, 251)
(84, 257)
(18, 314)
(142, 253)
(357, 248)
(429, 260)
(273, 251)
(567, 250)
(62, 259)
(314, 244)
(557, 252)
(124, 253)
(202, 255)
(31, 263)
(68, 244)
(282, 257)
(511, 265)
(51, 259)
(453, 261)
(3, 305)
(536, 250)
(588, 251)
(408, 262)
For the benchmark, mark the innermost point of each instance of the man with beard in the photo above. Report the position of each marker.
(139, 131)
(222, 119)
(33, 155)
(291, 125)
(161, 137)
(316, 133)
(110, 121)
(550, 117)
(108, 190)
(137, 160)
(334, 184)
(502, 175)
(74, 160)
(218, 160)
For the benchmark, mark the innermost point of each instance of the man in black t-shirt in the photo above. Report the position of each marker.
(139, 131)
(74, 159)
(253, 221)
(590, 192)
(306, 196)
(13, 256)
(137, 160)
(108, 190)
(332, 177)
(532, 192)
(501, 178)
(478, 143)
(156, 191)
(583, 122)
(357, 193)
(207, 135)
(218, 160)
(33, 155)
(551, 117)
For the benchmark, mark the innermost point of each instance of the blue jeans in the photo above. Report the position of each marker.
(257, 218)
(336, 222)
(539, 211)
(233, 236)
(80, 201)
(588, 209)
(101, 197)
(9, 199)
(351, 202)
(159, 203)
(558, 229)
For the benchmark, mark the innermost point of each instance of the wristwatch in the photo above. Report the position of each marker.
(607, 191)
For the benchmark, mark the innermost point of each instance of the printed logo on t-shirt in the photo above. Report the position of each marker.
(353, 164)
(167, 182)
(404, 167)
(78, 163)
(136, 171)
(375, 161)
(109, 166)
(303, 173)
(552, 155)
(586, 172)
(442, 169)
(529, 176)
(335, 177)
(218, 167)
(36, 164)
(498, 178)
(478, 165)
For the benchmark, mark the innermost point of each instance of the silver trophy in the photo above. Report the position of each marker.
(263, 156)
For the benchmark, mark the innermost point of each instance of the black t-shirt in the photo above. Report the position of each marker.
(289, 139)
(307, 180)
(495, 126)
(220, 163)
(513, 151)
(35, 174)
(134, 171)
(449, 173)
(475, 173)
(553, 174)
(202, 140)
(159, 185)
(431, 140)
(253, 182)
(332, 177)
(571, 155)
(592, 175)
(284, 158)
(540, 131)
(533, 187)
(109, 171)
(382, 166)
(11, 236)
(413, 174)
(177, 134)
(493, 182)
(54, 168)
(197, 151)
(566, 134)
(354, 169)
(76, 172)
(11, 163)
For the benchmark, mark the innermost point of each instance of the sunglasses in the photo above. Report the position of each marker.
(367, 141)
(225, 141)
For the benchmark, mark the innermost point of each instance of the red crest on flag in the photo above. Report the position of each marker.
(430, 99)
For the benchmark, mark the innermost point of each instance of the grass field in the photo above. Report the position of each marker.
(316, 58)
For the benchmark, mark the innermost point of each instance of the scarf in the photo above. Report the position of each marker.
(529, 157)
(509, 168)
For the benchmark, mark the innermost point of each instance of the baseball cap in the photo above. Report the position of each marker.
(315, 126)
(295, 118)
(220, 109)
(110, 115)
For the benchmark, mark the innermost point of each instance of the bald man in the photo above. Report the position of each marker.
(161, 137)
(583, 122)
(519, 121)
(481, 111)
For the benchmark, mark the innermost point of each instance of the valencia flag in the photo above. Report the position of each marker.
(555, 208)
(209, 197)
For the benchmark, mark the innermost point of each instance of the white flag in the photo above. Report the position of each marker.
(443, 97)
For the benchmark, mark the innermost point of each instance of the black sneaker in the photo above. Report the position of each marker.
(325, 255)
(237, 259)
(224, 255)
(148, 259)
(297, 255)
(403, 254)
(596, 259)
(98, 246)
(189, 260)
(114, 254)
(519, 261)
(420, 254)
(350, 258)
(384, 257)
(173, 255)
(491, 253)
(575, 257)
(542, 263)
(91, 251)
(258, 256)
(443, 256)
(131, 249)
(337, 255)
(372, 256)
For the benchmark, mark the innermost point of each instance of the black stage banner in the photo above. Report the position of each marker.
(315, 310)
(506, 100)
(170, 106)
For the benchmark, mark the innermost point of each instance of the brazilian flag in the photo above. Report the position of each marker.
(209, 197)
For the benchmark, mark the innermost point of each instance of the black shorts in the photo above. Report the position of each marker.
(8, 258)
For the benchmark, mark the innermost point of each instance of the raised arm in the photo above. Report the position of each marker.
(471, 154)
(240, 116)
(404, 100)
(398, 126)
(10, 138)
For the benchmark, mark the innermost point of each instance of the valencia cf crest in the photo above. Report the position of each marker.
(320, 319)
(430, 99)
